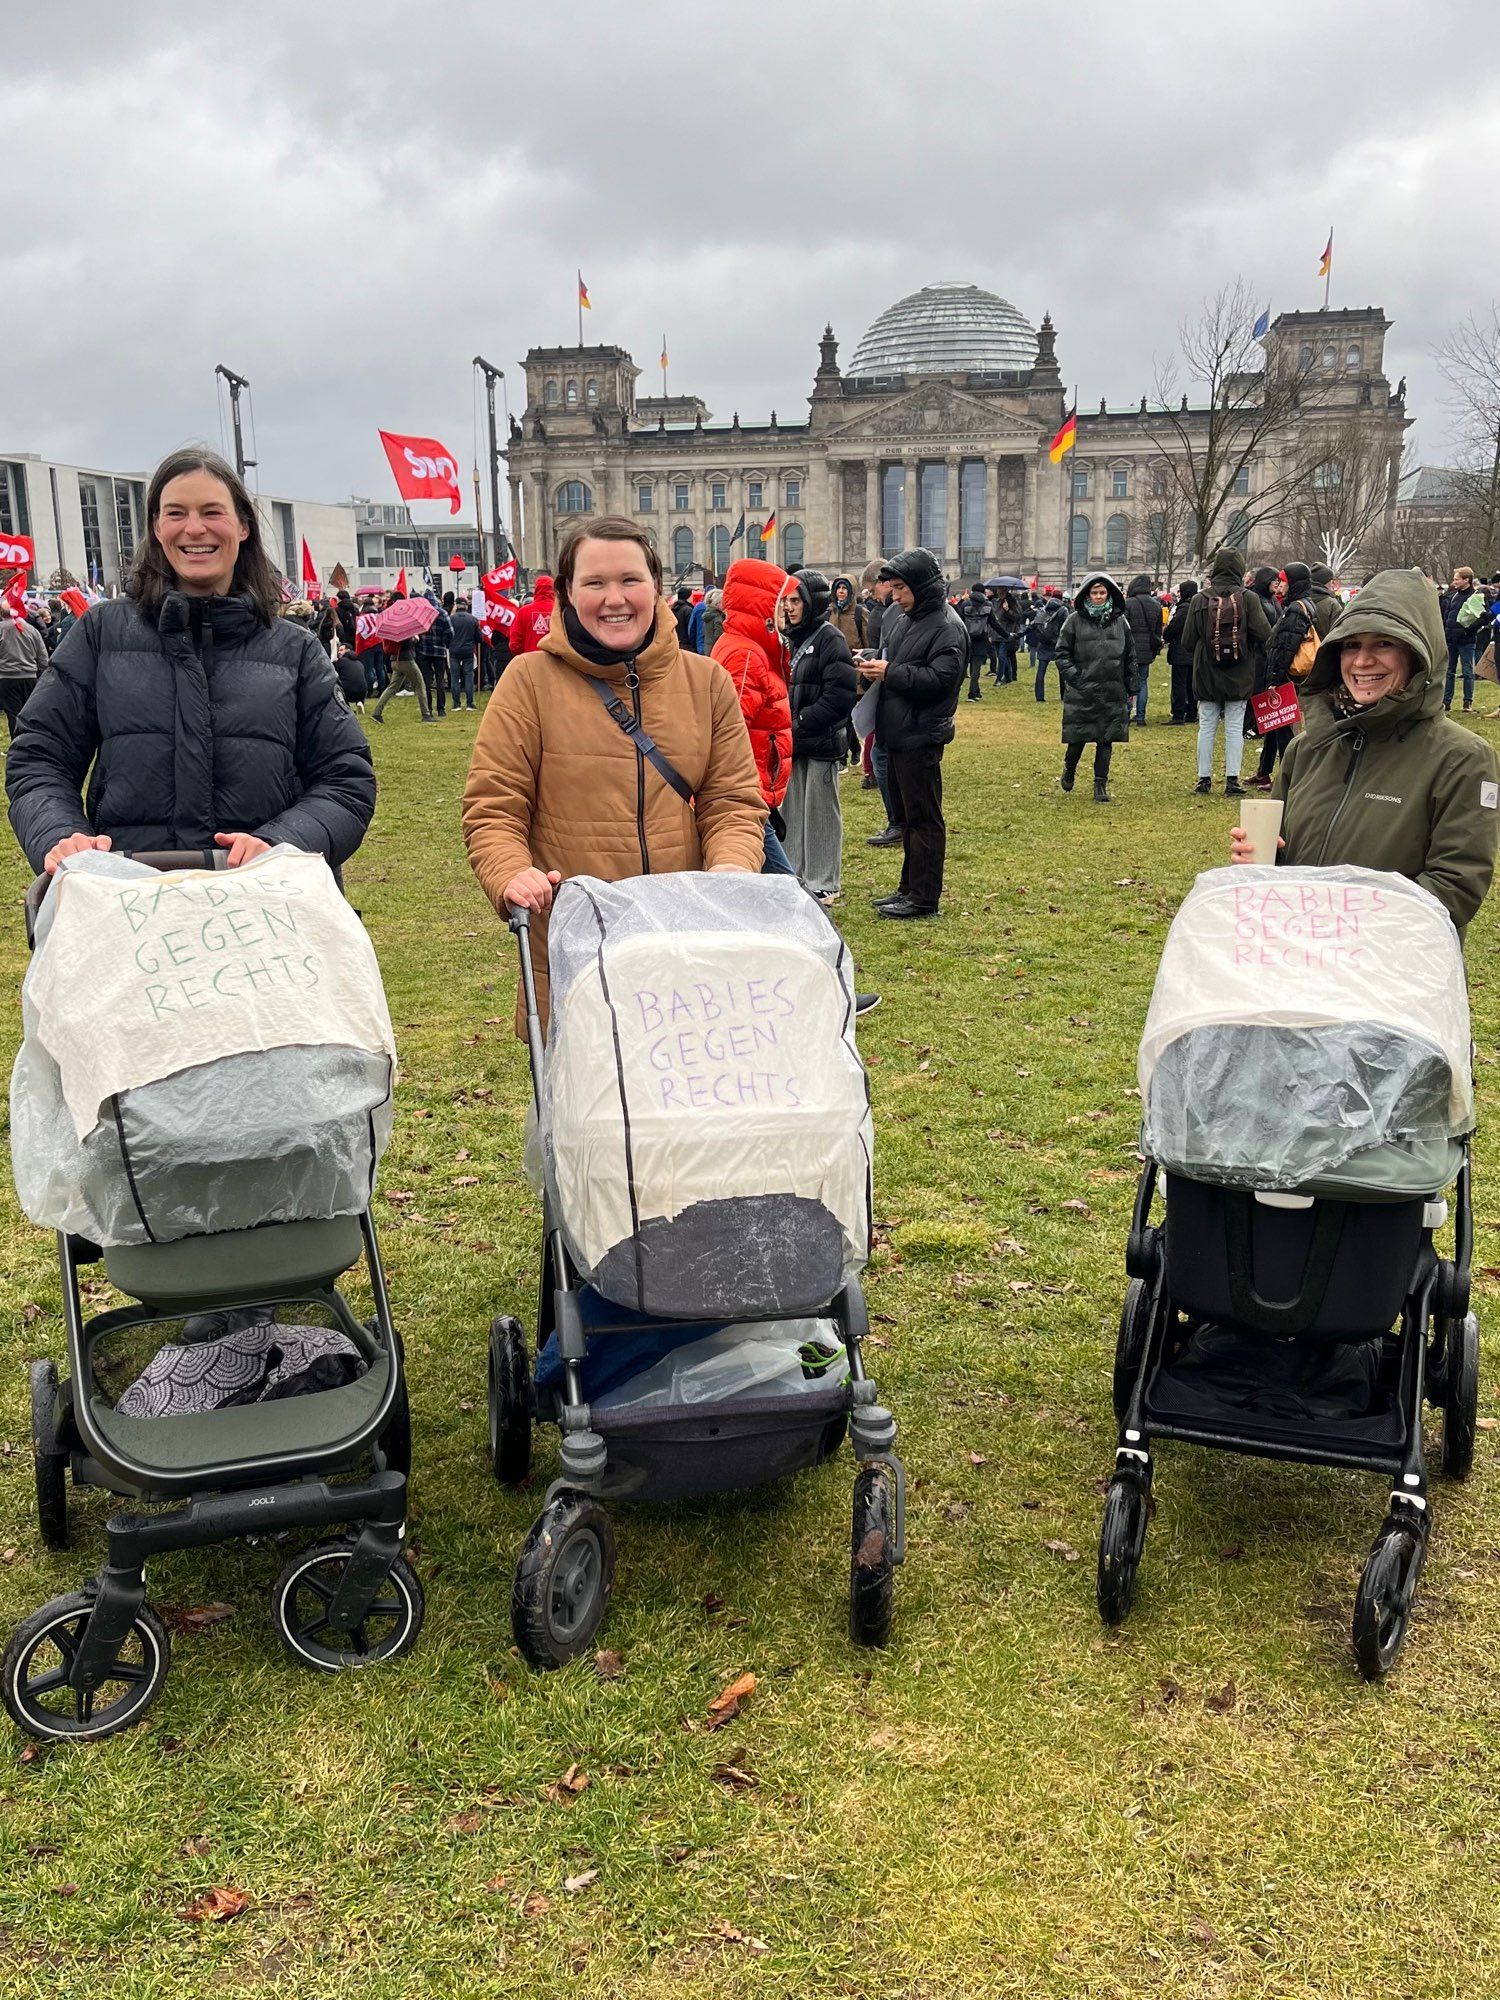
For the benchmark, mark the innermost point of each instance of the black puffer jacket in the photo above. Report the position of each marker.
(1096, 663)
(821, 683)
(927, 655)
(1143, 614)
(1179, 649)
(974, 610)
(206, 721)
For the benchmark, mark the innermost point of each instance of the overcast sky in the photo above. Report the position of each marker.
(345, 202)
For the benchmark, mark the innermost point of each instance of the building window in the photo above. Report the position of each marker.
(971, 523)
(1116, 539)
(793, 542)
(570, 394)
(1080, 482)
(93, 544)
(680, 496)
(573, 497)
(1352, 355)
(591, 390)
(15, 514)
(549, 395)
(1119, 483)
(794, 493)
(718, 551)
(718, 495)
(1239, 531)
(756, 494)
(1329, 359)
(1329, 476)
(932, 486)
(1305, 354)
(1078, 553)
(1158, 555)
(286, 528)
(893, 510)
(1241, 483)
(129, 502)
(645, 499)
(682, 550)
(752, 539)
(467, 546)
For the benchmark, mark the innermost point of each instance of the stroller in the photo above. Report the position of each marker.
(672, 1231)
(91, 1662)
(1307, 1089)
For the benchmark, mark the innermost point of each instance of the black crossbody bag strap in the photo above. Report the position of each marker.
(620, 714)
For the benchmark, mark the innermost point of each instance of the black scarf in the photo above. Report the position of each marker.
(587, 647)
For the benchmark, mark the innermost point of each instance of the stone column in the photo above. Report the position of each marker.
(951, 552)
(540, 538)
(992, 509)
(912, 532)
(833, 472)
(513, 481)
(874, 525)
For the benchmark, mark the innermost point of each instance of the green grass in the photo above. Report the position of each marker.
(1009, 1801)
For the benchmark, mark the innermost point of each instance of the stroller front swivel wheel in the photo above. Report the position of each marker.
(34, 1673)
(563, 1580)
(872, 1570)
(1382, 1605)
(49, 1460)
(510, 1402)
(303, 1598)
(1121, 1541)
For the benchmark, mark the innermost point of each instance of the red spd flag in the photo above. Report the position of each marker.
(310, 583)
(501, 580)
(13, 597)
(1277, 708)
(423, 469)
(17, 551)
(498, 615)
(75, 600)
(366, 638)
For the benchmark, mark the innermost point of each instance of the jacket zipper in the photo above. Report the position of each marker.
(1354, 760)
(633, 682)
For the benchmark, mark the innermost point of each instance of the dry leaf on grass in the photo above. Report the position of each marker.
(217, 1907)
(196, 1846)
(608, 1666)
(562, 1791)
(536, 1905)
(65, 1889)
(199, 1616)
(464, 1822)
(464, 1180)
(731, 1934)
(1064, 1549)
(1078, 1206)
(1222, 1702)
(576, 1884)
(1484, 1423)
(726, 1706)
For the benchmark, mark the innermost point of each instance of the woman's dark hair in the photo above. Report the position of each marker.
(608, 528)
(152, 576)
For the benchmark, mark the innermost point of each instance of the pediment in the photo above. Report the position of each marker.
(935, 412)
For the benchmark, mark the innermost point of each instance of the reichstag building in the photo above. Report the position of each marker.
(937, 434)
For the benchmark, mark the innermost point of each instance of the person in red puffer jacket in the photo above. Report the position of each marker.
(750, 651)
(533, 619)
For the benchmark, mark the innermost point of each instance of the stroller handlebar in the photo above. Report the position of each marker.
(165, 863)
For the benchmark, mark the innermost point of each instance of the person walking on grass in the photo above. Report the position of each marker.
(821, 688)
(1225, 628)
(461, 658)
(1180, 655)
(404, 677)
(974, 610)
(1143, 615)
(1096, 666)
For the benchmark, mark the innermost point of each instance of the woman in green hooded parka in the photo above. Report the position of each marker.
(1381, 777)
(1096, 665)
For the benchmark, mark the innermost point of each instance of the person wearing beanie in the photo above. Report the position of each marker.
(821, 689)
(682, 612)
(1180, 655)
(1226, 629)
(926, 651)
(1143, 615)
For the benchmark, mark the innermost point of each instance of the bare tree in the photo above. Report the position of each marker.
(1345, 474)
(1167, 521)
(1469, 362)
(1245, 406)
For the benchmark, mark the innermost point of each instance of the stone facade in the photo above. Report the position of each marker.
(958, 462)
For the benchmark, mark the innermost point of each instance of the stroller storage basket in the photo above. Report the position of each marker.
(685, 1453)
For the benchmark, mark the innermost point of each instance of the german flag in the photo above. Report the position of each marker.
(1066, 438)
(768, 531)
(1326, 263)
(583, 294)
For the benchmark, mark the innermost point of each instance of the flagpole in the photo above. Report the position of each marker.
(580, 310)
(1328, 274)
(664, 367)
(1068, 501)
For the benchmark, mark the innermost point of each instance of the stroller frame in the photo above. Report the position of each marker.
(1435, 1351)
(559, 1599)
(258, 1489)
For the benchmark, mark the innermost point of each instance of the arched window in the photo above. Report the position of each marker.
(1330, 357)
(570, 394)
(549, 395)
(718, 551)
(682, 550)
(1116, 539)
(793, 541)
(591, 389)
(573, 497)
(1351, 355)
(1079, 539)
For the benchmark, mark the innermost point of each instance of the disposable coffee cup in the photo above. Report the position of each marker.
(1261, 819)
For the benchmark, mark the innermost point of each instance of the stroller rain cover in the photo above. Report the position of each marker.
(1302, 1016)
(704, 1114)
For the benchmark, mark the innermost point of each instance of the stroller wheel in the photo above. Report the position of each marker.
(872, 1573)
(1460, 1396)
(303, 1596)
(510, 1402)
(49, 1461)
(1130, 1343)
(34, 1673)
(563, 1580)
(1121, 1540)
(1382, 1606)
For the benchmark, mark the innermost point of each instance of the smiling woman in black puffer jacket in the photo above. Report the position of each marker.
(198, 715)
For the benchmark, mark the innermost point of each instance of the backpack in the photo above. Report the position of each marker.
(1307, 652)
(1470, 612)
(1224, 629)
(1050, 624)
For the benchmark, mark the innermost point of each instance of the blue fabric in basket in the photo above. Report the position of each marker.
(636, 1343)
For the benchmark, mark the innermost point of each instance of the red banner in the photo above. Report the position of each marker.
(423, 469)
(310, 583)
(13, 597)
(366, 638)
(75, 600)
(501, 580)
(17, 552)
(1277, 708)
(495, 614)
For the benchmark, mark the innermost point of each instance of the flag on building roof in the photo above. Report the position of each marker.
(768, 531)
(583, 294)
(1262, 326)
(1066, 438)
(664, 353)
(1326, 265)
(738, 533)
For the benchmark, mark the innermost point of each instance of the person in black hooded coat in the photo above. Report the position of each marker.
(821, 688)
(197, 715)
(1096, 664)
(1143, 615)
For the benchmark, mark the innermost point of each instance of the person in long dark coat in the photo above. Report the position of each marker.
(1096, 664)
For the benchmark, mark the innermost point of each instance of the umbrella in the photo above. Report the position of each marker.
(406, 618)
(1004, 583)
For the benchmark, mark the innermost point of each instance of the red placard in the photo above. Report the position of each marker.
(501, 580)
(17, 552)
(13, 598)
(423, 468)
(1277, 708)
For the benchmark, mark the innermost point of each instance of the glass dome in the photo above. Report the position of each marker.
(946, 330)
